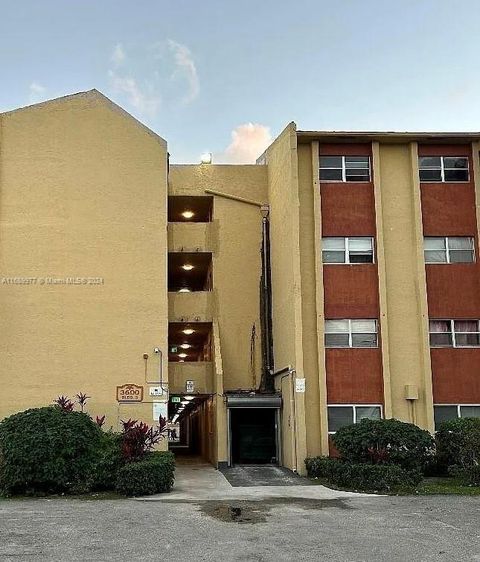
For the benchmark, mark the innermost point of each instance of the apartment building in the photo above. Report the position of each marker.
(258, 307)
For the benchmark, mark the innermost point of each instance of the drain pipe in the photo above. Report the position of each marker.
(283, 373)
(267, 384)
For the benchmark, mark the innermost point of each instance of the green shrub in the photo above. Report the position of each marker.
(374, 477)
(469, 476)
(363, 477)
(387, 441)
(107, 462)
(320, 467)
(151, 475)
(47, 450)
(458, 443)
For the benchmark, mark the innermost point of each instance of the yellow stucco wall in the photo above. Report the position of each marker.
(283, 196)
(82, 194)
(402, 283)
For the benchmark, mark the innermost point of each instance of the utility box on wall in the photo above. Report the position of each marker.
(411, 392)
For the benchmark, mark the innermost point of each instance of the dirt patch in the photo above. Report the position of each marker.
(257, 511)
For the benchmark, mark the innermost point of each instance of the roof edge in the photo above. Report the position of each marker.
(94, 94)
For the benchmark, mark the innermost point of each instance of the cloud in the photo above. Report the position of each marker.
(37, 92)
(118, 55)
(185, 66)
(248, 143)
(143, 98)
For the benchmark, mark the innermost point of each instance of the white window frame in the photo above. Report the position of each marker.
(350, 333)
(442, 169)
(458, 406)
(344, 168)
(355, 406)
(447, 250)
(347, 250)
(454, 339)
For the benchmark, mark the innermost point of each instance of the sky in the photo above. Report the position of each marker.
(226, 76)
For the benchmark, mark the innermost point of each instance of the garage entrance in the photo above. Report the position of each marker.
(253, 428)
(254, 439)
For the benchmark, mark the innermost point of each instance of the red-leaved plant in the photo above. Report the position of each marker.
(378, 455)
(82, 399)
(138, 438)
(64, 403)
(100, 420)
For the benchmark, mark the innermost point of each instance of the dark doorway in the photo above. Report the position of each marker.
(253, 434)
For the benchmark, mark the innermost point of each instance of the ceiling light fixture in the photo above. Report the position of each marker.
(185, 346)
(187, 267)
(189, 397)
(188, 214)
(182, 355)
(184, 290)
(188, 331)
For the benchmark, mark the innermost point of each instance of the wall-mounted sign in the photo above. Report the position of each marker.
(189, 386)
(129, 393)
(156, 391)
(175, 399)
(299, 385)
(159, 409)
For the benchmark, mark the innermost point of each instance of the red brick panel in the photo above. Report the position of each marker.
(453, 290)
(354, 376)
(456, 376)
(351, 291)
(348, 209)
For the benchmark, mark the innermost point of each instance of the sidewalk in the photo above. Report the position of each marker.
(203, 482)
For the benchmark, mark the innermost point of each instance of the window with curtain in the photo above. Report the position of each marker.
(351, 333)
(350, 250)
(345, 168)
(454, 333)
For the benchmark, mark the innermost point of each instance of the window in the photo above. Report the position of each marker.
(443, 168)
(347, 250)
(350, 333)
(454, 333)
(339, 416)
(345, 168)
(453, 411)
(448, 249)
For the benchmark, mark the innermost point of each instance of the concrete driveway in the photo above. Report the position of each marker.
(203, 482)
(206, 518)
(283, 529)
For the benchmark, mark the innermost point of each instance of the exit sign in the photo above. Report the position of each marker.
(175, 399)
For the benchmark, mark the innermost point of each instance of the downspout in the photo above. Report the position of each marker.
(267, 383)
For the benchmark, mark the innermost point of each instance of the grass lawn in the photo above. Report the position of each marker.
(431, 486)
